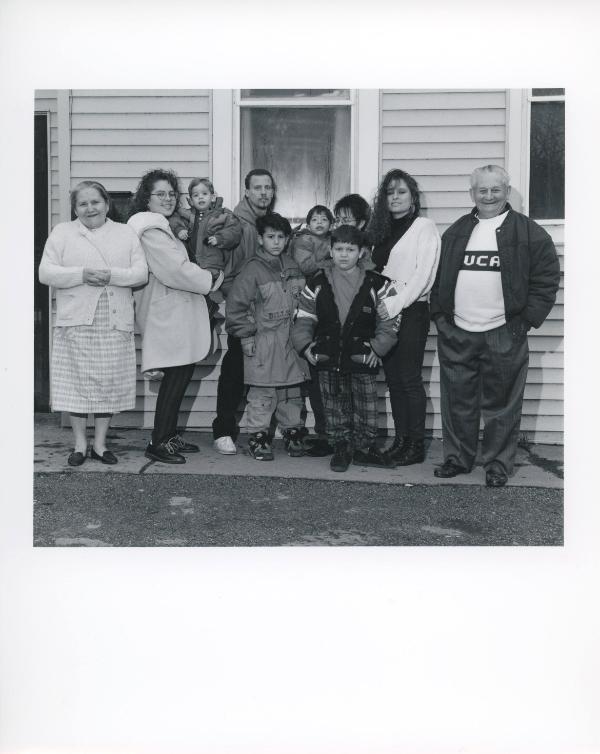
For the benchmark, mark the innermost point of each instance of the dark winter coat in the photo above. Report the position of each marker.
(318, 320)
(310, 251)
(219, 222)
(246, 247)
(529, 269)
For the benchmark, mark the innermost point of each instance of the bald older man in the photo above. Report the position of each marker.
(498, 277)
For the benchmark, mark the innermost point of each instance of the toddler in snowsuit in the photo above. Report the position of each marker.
(208, 229)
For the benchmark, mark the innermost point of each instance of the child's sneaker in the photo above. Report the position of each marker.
(292, 441)
(259, 447)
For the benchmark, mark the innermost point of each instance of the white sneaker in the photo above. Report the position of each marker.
(225, 445)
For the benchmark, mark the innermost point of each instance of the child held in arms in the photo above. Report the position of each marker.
(311, 246)
(339, 331)
(208, 229)
(260, 307)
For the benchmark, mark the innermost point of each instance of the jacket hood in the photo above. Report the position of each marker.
(244, 211)
(143, 221)
(283, 261)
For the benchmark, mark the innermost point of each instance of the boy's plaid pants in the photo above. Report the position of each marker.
(350, 403)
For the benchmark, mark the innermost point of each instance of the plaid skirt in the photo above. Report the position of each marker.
(93, 366)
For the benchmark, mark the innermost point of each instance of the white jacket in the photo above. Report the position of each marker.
(70, 248)
(170, 310)
(412, 265)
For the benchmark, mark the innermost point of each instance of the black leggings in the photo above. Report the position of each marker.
(168, 402)
(403, 367)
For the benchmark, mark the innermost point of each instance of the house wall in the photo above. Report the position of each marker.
(437, 136)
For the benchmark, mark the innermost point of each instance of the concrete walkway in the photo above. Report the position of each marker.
(537, 466)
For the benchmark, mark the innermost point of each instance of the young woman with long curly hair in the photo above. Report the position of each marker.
(406, 249)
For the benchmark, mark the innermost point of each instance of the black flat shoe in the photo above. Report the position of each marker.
(165, 453)
(449, 469)
(495, 478)
(76, 458)
(106, 457)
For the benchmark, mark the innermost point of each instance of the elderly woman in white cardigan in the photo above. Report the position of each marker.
(407, 250)
(92, 263)
(171, 310)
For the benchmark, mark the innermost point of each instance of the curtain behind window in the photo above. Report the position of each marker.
(306, 149)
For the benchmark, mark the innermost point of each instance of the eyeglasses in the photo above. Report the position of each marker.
(163, 194)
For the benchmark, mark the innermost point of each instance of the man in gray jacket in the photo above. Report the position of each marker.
(259, 197)
(498, 277)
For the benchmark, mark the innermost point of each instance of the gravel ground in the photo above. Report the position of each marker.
(124, 510)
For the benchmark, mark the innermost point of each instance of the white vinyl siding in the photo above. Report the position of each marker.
(439, 137)
(117, 135)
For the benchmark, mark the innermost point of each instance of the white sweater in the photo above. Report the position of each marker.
(412, 265)
(70, 248)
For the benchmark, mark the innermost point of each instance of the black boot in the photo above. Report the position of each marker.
(394, 452)
(413, 452)
(371, 456)
(341, 457)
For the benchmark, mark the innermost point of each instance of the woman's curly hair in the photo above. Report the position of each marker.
(380, 225)
(140, 200)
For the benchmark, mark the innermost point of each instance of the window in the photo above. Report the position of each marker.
(295, 93)
(303, 142)
(547, 154)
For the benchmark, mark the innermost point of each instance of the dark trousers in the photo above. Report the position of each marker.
(403, 367)
(230, 390)
(168, 401)
(312, 391)
(482, 374)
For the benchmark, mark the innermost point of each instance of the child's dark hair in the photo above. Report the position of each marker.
(204, 181)
(356, 205)
(348, 234)
(319, 209)
(275, 222)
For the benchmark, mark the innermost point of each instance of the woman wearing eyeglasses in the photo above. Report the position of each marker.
(171, 310)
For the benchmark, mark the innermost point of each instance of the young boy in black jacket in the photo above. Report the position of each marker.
(339, 331)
